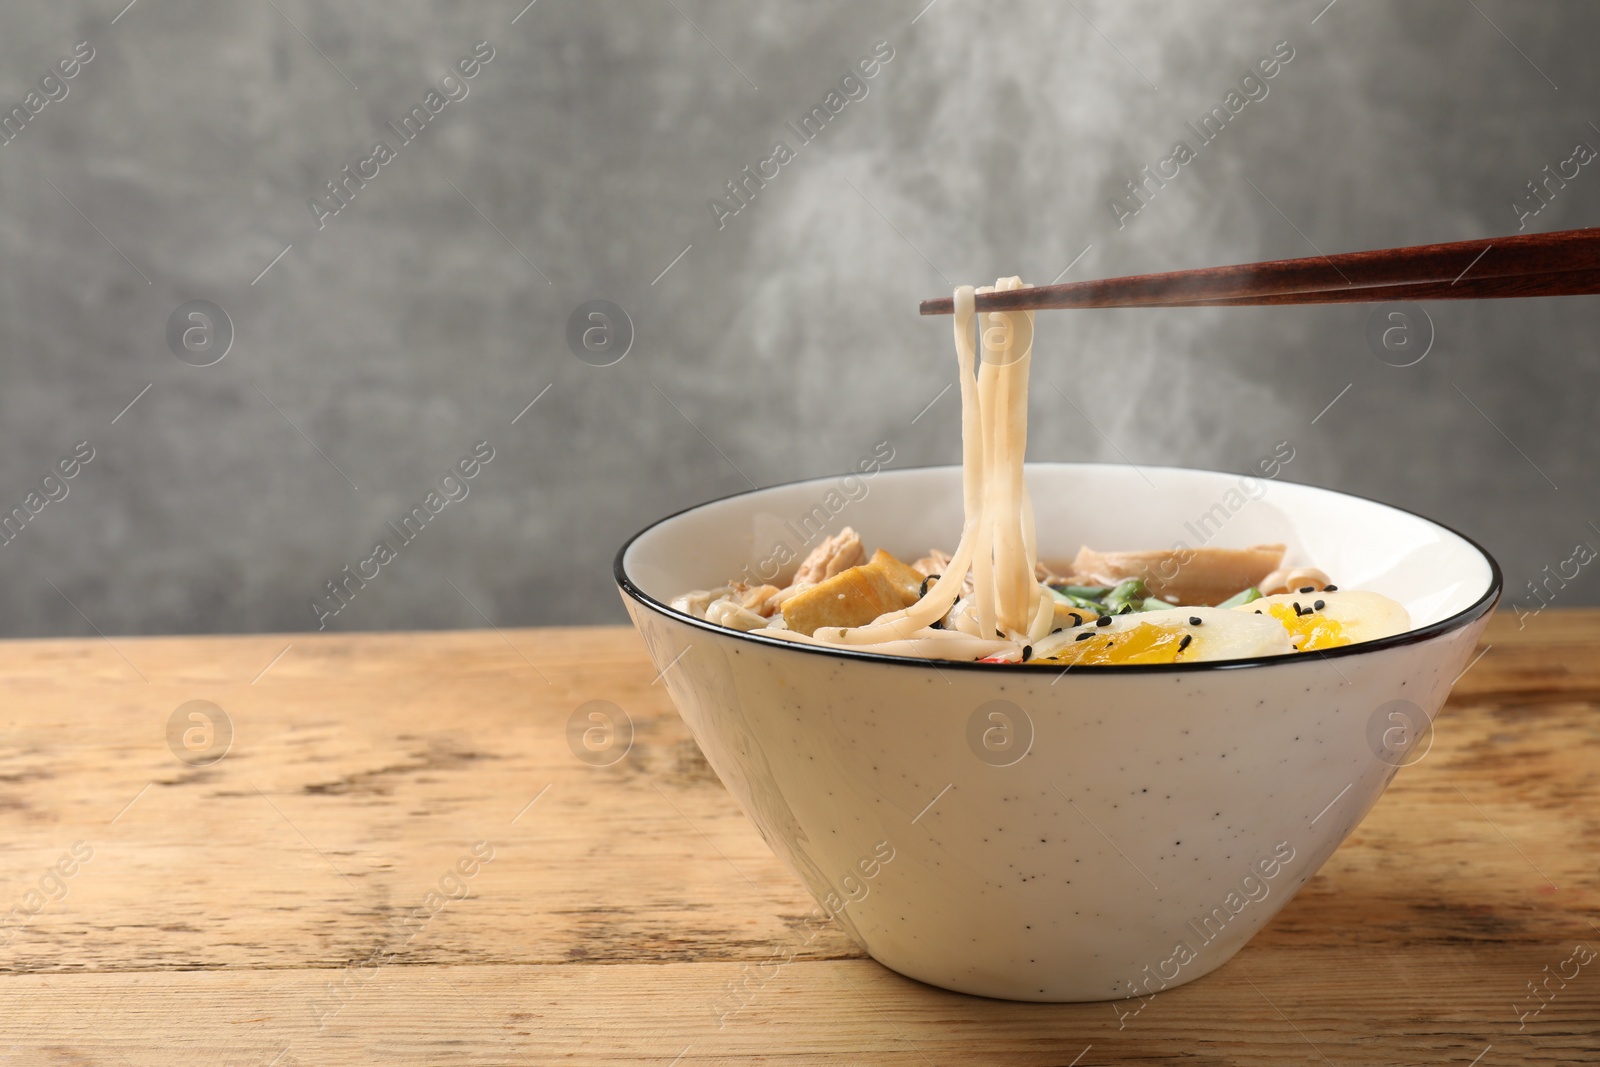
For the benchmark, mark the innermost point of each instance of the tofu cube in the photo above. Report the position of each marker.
(854, 597)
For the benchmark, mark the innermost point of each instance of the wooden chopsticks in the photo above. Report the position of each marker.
(1564, 263)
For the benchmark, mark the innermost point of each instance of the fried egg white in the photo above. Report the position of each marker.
(1159, 637)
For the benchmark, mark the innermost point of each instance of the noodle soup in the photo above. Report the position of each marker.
(991, 599)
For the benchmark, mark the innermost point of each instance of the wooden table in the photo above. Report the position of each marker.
(306, 898)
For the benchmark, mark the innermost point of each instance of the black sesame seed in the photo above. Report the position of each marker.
(1258, 611)
(1308, 589)
(1055, 631)
(1297, 610)
(1104, 620)
(925, 581)
(1125, 609)
(1027, 653)
(1185, 642)
(1077, 620)
(1319, 605)
(936, 624)
(1194, 620)
(1083, 637)
(1330, 589)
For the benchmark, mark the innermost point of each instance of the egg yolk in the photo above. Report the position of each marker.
(1309, 632)
(1139, 644)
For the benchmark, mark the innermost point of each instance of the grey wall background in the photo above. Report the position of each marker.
(431, 310)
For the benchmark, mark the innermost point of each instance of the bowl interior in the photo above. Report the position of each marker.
(758, 536)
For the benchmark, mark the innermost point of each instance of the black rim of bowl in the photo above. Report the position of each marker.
(1459, 620)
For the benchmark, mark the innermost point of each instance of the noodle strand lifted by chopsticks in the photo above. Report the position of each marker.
(997, 544)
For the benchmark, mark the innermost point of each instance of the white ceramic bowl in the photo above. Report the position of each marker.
(1015, 831)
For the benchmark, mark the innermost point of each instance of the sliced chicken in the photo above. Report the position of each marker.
(698, 601)
(1053, 574)
(836, 554)
(1182, 576)
(761, 599)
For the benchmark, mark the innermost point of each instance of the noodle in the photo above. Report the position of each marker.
(998, 543)
(990, 600)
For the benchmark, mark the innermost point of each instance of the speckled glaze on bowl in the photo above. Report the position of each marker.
(1097, 834)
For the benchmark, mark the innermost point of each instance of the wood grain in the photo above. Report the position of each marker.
(275, 906)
